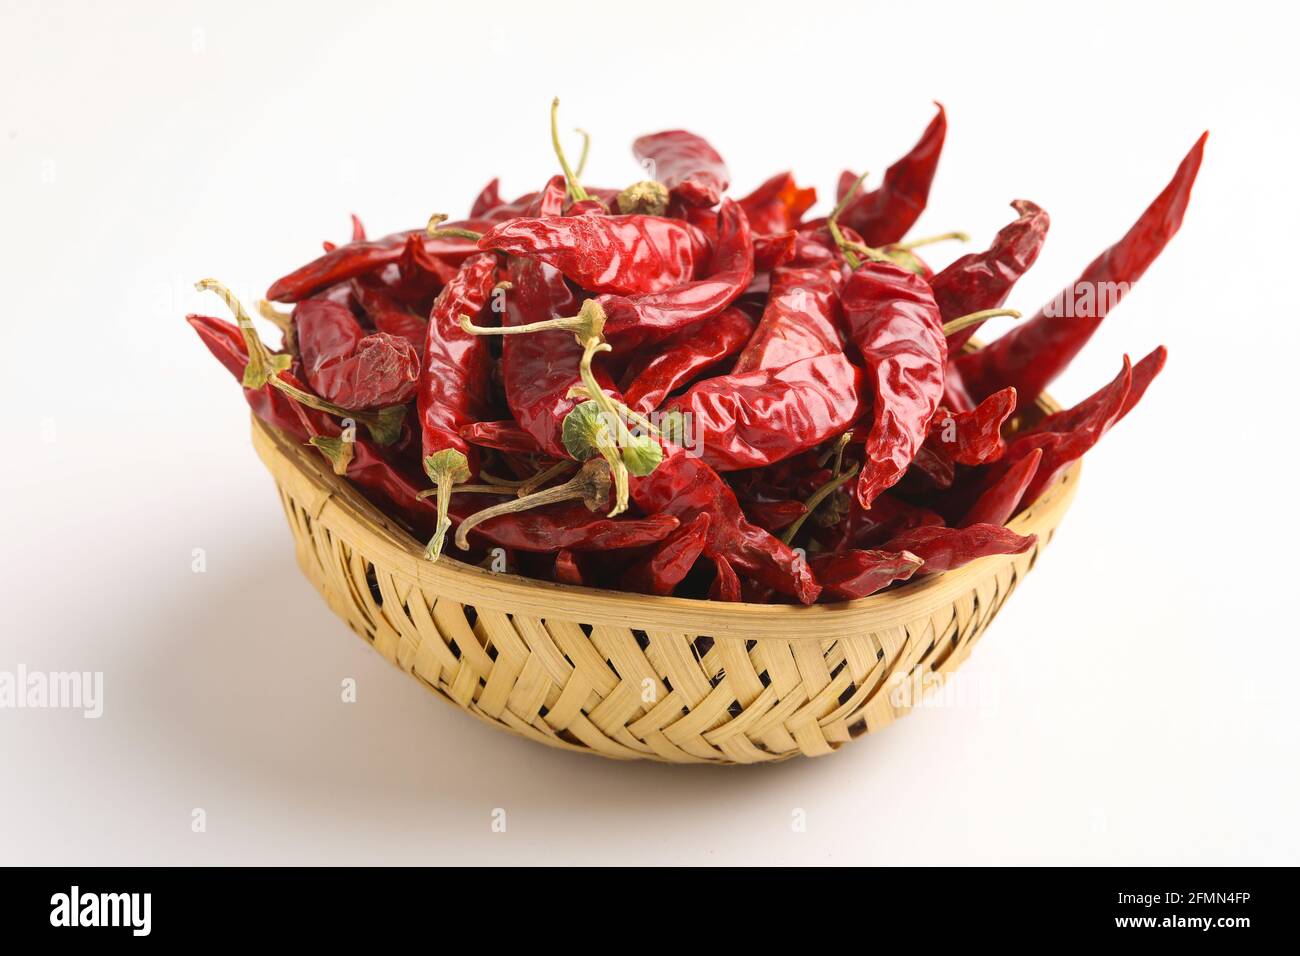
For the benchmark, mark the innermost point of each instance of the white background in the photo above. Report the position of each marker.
(1142, 681)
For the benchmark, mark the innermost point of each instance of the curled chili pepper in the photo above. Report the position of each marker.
(359, 258)
(622, 255)
(1033, 353)
(884, 215)
(893, 321)
(855, 574)
(671, 560)
(983, 280)
(802, 317)
(943, 549)
(751, 419)
(648, 318)
(965, 438)
(348, 367)
(454, 386)
(777, 205)
(654, 375)
(685, 164)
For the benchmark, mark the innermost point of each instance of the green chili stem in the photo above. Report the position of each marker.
(975, 318)
(586, 148)
(815, 499)
(591, 484)
(908, 246)
(575, 188)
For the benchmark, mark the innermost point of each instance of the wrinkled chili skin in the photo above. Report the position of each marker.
(684, 486)
(1032, 353)
(802, 317)
(883, 216)
(670, 561)
(455, 373)
(757, 418)
(386, 314)
(360, 258)
(943, 549)
(348, 367)
(691, 169)
(893, 320)
(983, 280)
(642, 319)
(503, 436)
(618, 255)
(681, 357)
(777, 205)
(855, 574)
(867, 529)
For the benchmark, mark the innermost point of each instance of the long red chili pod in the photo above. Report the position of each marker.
(684, 486)
(360, 258)
(681, 357)
(671, 559)
(1033, 353)
(621, 255)
(982, 280)
(777, 205)
(855, 574)
(455, 385)
(802, 316)
(893, 320)
(686, 164)
(884, 215)
(1074, 433)
(756, 418)
(999, 502)
(650, 318)
(943, 549)
(226, 343)
(349, 368)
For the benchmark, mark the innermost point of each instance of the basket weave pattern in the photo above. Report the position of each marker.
(627, 676)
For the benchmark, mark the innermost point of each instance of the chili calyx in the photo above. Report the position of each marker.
(591, 484)
(647, 198)
(264, 368)
(446, 468)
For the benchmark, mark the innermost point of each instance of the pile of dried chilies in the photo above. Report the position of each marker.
(666, 390)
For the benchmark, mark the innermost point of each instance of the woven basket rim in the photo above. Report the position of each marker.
(354, 515)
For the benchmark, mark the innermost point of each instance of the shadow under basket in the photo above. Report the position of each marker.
(630, 676)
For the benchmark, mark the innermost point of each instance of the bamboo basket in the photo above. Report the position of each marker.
(631, 676)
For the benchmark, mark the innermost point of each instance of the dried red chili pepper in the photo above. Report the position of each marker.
(1000, 500)
(226, 343)
(773, 250)
(855, 574)
(671, 560)
(684, 486)
(454, 385)
(686, 164)
(633, 320)
(347, 367)
(777, 205)
(965, 438)
(943, 549)
(1033, 353)
(388, 315)
(884, 215)
(359, 258)
(606, 254)
(802, 317)
(652, 376)
(893, 320)
(983, 280)
(752, 419)
(868, 529)
(772, 516)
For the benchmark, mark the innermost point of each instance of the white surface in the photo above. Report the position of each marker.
(1142, 678)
